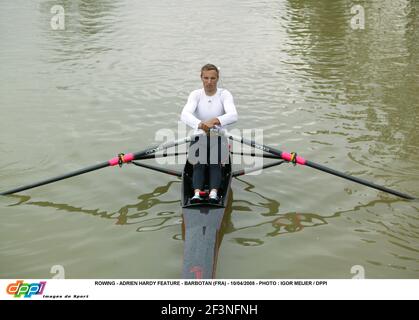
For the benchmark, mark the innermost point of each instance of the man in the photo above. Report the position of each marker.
(206, 108)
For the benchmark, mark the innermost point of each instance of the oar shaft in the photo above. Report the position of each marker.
(283, 155)
(175, 173)
(163, 146)
(263, 155)
(358, 180)
(242, 172)
(122, 158)
(166, 155)
(300, 160)
(55, 179)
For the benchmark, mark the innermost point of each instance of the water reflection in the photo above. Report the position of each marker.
(120, 70)
(87, 24)
(361, 80)
(279, 223)
(127, 215)
(151, 213)
(155, 212)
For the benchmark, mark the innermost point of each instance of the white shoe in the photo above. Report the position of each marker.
(196, 198)
(213, 198)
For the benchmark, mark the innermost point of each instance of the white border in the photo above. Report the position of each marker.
(287, 289)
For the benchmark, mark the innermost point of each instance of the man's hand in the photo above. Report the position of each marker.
(206, 125)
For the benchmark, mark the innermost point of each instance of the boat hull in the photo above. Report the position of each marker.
(201, 227)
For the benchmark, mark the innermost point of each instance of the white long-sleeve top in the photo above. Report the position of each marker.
(201, 107)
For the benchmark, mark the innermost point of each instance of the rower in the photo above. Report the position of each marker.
(207, 108)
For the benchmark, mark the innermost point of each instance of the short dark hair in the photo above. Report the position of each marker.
(209, 67)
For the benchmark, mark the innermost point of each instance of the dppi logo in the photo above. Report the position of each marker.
(27, 290)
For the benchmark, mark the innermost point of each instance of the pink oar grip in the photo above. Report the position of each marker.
(287, 156)
(126, 158)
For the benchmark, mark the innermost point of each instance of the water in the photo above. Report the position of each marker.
(120, 71)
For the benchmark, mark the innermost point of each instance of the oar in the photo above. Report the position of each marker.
(175, 173)
(242, 172)
(292, 157)
(122, 158)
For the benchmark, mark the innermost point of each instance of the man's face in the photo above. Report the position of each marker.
(209, 80)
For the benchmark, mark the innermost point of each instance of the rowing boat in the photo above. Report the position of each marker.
(201, 226)
(202, 222)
